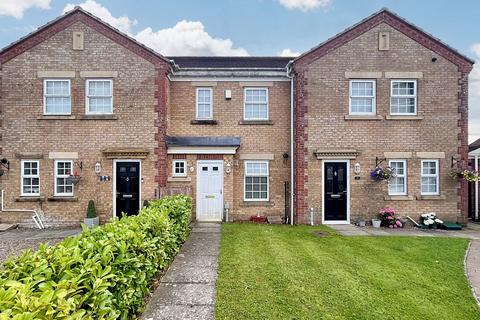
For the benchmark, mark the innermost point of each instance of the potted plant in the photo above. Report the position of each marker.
(430, 220)
(466, 174)
(92, 219)
(74, 178)
(380, 174)
(388, 218)
(376, 223)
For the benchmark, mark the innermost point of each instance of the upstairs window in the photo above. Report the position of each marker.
(362, 97)
(204, 103)
(30, 183)
(398, 184)
(403, 98)
(430, 177)
(56, 97)
(63, 170)
(256, 104)
(99, 98)
(256, 181)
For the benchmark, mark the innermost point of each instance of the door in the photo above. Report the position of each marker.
(127, 186)
(335, 192)
(209, 190)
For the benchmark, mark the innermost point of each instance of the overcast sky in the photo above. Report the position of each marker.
(256, 27)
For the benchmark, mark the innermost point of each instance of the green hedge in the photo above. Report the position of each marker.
(103, 273)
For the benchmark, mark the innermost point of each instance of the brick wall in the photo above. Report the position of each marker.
(139, 97)
(255, 139)
(323, 101)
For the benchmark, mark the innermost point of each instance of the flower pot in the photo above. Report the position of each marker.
(91, 222)
(376, 223)
(361, 223)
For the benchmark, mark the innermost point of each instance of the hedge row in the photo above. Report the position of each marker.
(103, 273)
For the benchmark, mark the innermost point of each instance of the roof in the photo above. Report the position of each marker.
(474, 145)
(78, 14)
(396, 22)
(195, 62)
(203, 141)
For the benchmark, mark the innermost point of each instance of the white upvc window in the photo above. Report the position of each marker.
(362, 97)
(63, 170)
(57, 97)
(179, 168)
(398, 184)
(403, 97)
(204, 104)
(99, 96)
(430, 177)
(255, 104)
(256, 181)
(30, 178)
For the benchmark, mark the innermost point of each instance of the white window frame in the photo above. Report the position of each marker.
(56, 175)
(437, 176)
(403, 96)
(404, 176)
(259, 175)
(175, 174)
(45, 97)
(197, 102)
(23, 175)
(87, 97)
(373, 97)
(245, 104)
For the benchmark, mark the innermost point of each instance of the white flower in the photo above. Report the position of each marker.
(424, 215)
(439, 221)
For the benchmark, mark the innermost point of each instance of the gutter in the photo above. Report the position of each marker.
(291, 76)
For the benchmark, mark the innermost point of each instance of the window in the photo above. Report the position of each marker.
(256, 180)
(56, 97)
(204, 103)
(398, 184)
(362, 97)
(179, 168)
(63, 170)
(256, 104)
(30, 183)
(403, 100)
(430, 177)
(99, 96)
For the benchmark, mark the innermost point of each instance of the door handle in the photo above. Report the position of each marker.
(335, 196)
(127, 195)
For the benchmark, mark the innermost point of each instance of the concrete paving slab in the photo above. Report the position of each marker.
(183, 294)
(194, 260)
(182, 312)
(206, 230)
(355, 233)
(209, 248)
(190, 274)
(472, 268)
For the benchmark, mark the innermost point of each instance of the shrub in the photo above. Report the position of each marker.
(91, 212)
(103, 273)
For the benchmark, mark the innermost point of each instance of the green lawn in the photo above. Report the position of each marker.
(281, 272)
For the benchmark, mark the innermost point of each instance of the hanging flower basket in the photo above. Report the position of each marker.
(380, 174)
(73, 179)
(465, 174)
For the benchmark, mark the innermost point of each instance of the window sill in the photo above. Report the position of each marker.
(56, 117)
(98, 117)
(405, 117)
(363, 117)
(257, 204)
(398, 198)
(30, 199)
(204, 122)
(62, 199)
(432, 197)
(255, 122)
(179, 179)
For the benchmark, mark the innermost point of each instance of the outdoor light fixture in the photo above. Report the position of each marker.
(98, 168)
(228, 167)
(356, 168)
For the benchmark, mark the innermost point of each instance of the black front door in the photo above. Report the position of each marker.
(335, 181)
(128, 188)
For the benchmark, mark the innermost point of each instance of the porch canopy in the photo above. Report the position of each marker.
(202, 145)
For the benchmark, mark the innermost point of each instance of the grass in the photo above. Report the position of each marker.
(280, 272)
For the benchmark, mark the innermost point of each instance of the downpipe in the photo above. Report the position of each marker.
(292, 189)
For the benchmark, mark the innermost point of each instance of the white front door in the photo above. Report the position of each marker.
(209, 190)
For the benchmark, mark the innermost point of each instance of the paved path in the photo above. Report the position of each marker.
(187, 290)
(472, 267)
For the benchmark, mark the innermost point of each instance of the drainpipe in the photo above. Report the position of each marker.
(36, 217)
(292, 163)
(476, 189)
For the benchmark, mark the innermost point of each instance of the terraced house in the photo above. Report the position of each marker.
(88, 113)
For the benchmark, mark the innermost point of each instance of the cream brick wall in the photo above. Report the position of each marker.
(255, 139)
(328, 103)
(23, 131)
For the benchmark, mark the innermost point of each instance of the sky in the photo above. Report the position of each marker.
(256, 27)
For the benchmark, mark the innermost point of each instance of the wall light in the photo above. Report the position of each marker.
(98, 168)
(356, 168)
